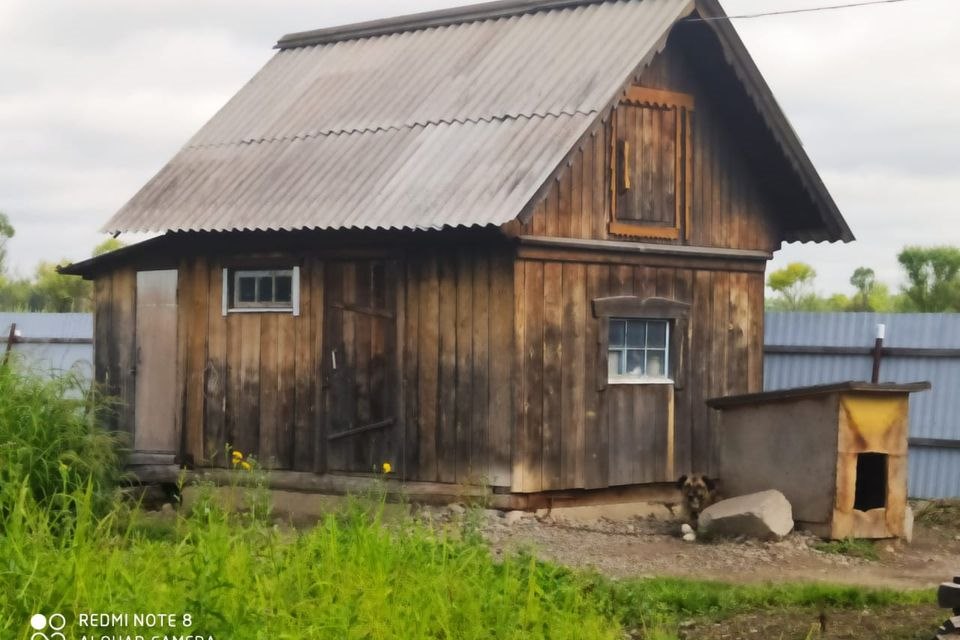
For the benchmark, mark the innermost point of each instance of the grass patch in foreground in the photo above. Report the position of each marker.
(349, 577)
(633, 601)
(853, 547)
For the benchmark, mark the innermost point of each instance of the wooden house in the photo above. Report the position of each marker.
(515, 244)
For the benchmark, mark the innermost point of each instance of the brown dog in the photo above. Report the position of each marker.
(699, 492)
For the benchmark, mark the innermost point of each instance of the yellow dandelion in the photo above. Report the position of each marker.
(245, 465)
(387, 467)
(237, 456)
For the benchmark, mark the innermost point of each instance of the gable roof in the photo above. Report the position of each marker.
(452, 118)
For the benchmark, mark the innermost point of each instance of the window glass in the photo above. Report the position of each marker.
(638, 350)
(636, 334)
(284, 289)
(617, 332)
(263, 289)
(247, 290)
(613, 363)
(265, 292)
(655, 361)
(657, 335)
(634, 365)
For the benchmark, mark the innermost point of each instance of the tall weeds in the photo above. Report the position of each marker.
(50, 443)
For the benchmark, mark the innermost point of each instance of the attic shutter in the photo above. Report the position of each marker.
(651, 164)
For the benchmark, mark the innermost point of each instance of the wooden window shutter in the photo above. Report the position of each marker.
(651, 164)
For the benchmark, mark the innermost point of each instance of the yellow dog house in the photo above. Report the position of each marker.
(837, 452)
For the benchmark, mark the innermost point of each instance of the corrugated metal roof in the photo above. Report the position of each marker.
(388, 179)
(457, 125)
(934, 414)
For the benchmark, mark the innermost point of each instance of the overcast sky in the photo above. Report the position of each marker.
(95, 96)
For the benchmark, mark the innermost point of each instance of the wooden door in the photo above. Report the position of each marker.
(640, 420)
(156, 363)
(361, 389)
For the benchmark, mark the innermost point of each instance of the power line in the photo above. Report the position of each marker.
(782, 12)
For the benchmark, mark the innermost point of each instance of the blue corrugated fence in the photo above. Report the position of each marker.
(51, 342)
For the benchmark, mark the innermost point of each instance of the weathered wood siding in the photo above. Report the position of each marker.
(263, 382)
(728, 205)
(573, 430)
(457, 366)
(248, 379)
(114, 344)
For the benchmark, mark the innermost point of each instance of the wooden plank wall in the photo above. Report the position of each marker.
(573, 433)
(457, 369)
(729, 208)
(362, 391)
(254, 380)
(114, 344)
(248, 379)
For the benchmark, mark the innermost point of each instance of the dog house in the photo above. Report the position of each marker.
(837, 452)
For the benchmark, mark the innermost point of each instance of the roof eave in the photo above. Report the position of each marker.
(91, 266)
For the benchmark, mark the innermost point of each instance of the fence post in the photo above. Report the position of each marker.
(10, 340)
(878, 352)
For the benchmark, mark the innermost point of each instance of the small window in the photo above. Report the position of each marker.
(261, 290)
(638, 350)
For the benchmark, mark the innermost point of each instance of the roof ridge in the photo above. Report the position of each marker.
(426, 20)
(422, 124)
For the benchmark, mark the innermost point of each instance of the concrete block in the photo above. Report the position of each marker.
(766, 515)
(615, 512)
(908, 524)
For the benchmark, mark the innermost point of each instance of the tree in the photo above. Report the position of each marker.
(934, 278)
(794, 283)
(6, 232)
(864, 280)
(108, 245)
(57, 293)
(48, 290)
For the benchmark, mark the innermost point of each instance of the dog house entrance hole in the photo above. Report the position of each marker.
(871, 492)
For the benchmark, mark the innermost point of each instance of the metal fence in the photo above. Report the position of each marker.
(49, 342)
(816, 348)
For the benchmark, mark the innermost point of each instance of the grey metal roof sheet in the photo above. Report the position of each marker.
(407, 106)
(454, 125)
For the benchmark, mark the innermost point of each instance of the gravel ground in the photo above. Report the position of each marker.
(651, 547)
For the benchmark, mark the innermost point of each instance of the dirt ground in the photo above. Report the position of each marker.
(891, 623)
(653, 548)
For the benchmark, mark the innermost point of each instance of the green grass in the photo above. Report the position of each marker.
(939, 513)
(68, 545)
(853, 547)
(634, 601)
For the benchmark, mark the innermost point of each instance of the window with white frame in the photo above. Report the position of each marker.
(262, 290)
(638, 350)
